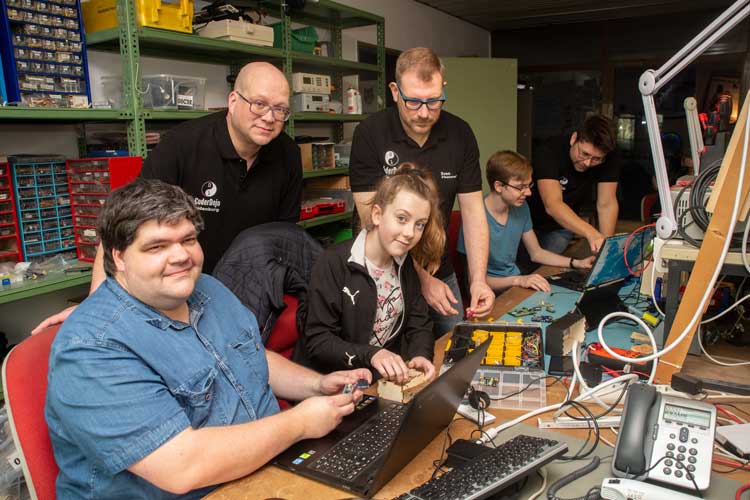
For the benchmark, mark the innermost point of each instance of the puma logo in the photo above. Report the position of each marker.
(350, 294)
(350, 358)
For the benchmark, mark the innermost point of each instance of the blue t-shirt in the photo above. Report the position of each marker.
(124, 379)
(504, 240)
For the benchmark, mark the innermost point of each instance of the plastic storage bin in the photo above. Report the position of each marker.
(89, 181)
(175, 16)
(43, 53)
(10, 240)
(161, 91)
(42, 199)
(303, 39)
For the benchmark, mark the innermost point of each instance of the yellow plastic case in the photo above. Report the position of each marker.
(175, 16)
(513, 344)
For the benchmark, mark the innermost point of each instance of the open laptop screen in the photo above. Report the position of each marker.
(610, 265)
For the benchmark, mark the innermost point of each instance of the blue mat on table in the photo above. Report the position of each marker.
(617, 333)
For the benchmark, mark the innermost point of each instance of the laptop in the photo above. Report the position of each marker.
(609, 267)
(338, 459)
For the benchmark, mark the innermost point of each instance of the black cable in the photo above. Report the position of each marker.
(579, 454)
(608, 410)
(574, 476)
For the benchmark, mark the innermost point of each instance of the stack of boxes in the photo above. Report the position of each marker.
(43, 53)
(43, 205)
(90, 181)
(10, 241)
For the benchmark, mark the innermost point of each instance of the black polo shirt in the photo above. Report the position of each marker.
(198, 156)
(451, 153)
(552, 161)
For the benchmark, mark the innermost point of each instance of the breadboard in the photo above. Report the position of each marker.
(507, 384)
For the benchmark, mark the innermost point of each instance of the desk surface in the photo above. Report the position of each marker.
(273, 482)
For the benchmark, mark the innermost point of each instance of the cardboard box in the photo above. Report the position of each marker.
(317, 155)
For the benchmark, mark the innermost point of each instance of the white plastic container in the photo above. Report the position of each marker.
(239, 31)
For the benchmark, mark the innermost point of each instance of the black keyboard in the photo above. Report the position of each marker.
(490, 472)
(359, 449)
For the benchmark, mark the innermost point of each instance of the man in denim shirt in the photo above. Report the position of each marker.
(159, 384)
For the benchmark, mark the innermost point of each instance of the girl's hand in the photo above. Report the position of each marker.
(390, 366)
(534, 281)
(424, 365)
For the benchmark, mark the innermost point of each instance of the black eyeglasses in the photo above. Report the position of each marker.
(260, 108)
(521, 188)
(584, 156)
(413, 104)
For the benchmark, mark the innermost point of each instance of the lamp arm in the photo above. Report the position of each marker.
(695, 132)
(652, 80)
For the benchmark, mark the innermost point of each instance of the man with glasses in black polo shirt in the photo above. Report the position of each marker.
(239, 166)
(566, 170)
(418, 131)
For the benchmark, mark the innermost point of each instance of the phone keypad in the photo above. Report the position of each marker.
(674, 464)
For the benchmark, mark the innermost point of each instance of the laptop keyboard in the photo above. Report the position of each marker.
(359, 449)
(491, 471)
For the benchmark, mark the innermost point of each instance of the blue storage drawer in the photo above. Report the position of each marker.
(43, 204)
(43, 53)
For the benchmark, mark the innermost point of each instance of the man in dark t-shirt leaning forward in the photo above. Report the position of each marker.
(566, 170)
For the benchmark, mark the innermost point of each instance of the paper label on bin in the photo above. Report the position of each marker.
(185, 101)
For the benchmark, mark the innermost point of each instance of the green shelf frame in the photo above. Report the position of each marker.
(184, 46)
(63, 114)
(310, 116)
(324, 172)
(159, 114)
(325, 219)
(303, 61)
(50, 283)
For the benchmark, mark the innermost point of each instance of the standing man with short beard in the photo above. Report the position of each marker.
(239, 166)
(418, 131)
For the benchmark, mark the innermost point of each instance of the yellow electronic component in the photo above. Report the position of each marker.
(448, 345)
(513, 341)
(493, 360)
(650, 319)
(480, 336)
(512, 361)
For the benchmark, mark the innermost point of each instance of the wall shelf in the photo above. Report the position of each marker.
(50, 283)
(325, 219)
(62, 114)
(174, 45)
(309, 174)
(310, 116)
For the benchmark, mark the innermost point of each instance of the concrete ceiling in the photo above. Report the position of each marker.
(507, 15)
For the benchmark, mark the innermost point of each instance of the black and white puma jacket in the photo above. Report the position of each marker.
(341, 306)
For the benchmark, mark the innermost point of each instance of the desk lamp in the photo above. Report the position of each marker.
(652, 81)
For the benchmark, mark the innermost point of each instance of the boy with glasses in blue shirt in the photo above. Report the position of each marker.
(509, 176)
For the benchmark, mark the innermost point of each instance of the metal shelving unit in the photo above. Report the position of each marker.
(132, 41)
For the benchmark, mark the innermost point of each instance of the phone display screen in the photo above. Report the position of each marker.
(688, 416)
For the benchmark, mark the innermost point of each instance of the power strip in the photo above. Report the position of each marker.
(472, 414)
(569, 423)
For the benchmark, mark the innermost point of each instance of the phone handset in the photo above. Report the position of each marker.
(630, 452)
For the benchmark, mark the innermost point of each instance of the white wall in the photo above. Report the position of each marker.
(411, 24)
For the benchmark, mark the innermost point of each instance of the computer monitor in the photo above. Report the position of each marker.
(610, 266)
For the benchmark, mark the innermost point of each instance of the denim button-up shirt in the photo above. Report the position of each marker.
(124, 379)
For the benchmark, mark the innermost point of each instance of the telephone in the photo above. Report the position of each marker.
(679, 431)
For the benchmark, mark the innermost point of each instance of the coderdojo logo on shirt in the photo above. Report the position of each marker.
(563, 182)
(207, 204)
(391, 162)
